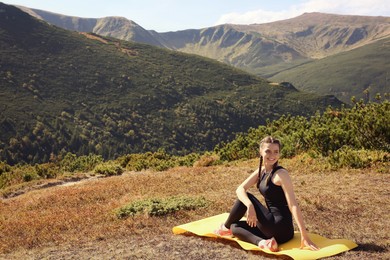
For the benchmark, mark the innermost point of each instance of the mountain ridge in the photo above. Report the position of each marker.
(112, 26)
(365, 29)
(350, 29)
(64, 91)
(277, 47)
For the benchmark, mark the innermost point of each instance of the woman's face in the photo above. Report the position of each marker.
(270, 153)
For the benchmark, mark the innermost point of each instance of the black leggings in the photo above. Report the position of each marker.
(266, 228)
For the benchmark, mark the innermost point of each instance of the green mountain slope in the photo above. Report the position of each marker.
(362, 72)
(63, 91)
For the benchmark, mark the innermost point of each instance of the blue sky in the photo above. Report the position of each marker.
(174, 15)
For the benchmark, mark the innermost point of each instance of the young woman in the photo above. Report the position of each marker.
(267, 226)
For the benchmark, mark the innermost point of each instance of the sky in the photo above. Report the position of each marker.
(175, 15)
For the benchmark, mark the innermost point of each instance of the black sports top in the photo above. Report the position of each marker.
(274, 197)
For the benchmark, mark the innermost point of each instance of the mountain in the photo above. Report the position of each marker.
(318, 35)
(269, 49)
(64, 91)
(258, 47)
(362, 72)
(266, 49)
(246, 50)
(118, 27)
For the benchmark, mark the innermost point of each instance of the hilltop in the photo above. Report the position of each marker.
(118, 27)
(64, 91)
(78, 221)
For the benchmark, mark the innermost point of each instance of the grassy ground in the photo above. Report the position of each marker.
(78, 221)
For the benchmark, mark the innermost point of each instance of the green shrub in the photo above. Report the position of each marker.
(362, 158)
(163, 165)
(5, 179)
(73, 163)
(108, 169)
(46, 170)
(124, 160)
(136, 162)
(18, 174)
(161, 207)
(364, 126)
(29, 176)
(159, 161)
(187, 160)
(4, 167)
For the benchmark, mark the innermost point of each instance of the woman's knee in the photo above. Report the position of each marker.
(233, 227)
(236, 229)
(285, 236)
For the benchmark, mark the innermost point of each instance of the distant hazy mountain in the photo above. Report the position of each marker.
(64, 91)
(118, 27)
(317, 35)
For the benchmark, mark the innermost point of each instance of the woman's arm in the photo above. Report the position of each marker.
(251, 217)
(283, 179)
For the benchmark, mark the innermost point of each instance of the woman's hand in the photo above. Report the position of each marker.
(251, 217)
(306, 242)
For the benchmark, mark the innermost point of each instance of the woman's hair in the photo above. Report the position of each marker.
(270, 140)
(267, 140)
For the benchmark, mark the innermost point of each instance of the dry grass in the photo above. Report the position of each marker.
(78, 221)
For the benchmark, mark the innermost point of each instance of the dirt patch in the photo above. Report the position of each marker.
(94, 37)
(117, 43)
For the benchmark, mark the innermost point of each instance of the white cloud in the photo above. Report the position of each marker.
(258, 16)
(358, 7)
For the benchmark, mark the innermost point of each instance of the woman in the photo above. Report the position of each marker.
(266, 226)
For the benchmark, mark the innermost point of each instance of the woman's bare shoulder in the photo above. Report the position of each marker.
(281, 170)
(281, 175)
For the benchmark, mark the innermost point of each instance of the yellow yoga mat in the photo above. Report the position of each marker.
(328, 247)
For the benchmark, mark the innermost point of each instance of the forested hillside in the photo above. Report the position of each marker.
(63, 91)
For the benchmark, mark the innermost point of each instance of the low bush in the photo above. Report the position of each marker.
(4, 167)
(46, 170)
(73, 163)
(159, 161)
(187, 160)
(16, 175)
(362, 158)
(364, 126)
(108, 169)
(161, 207)
(29, 176)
